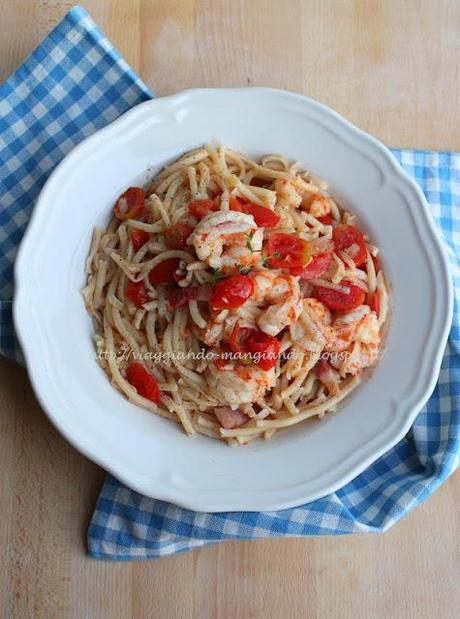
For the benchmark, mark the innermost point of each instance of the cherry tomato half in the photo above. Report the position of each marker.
(325, 219)
(287, 251)
(139, 238)
(176, 235)
(318, 265)
(137, 293)
(264, 217)
(376, 262)
(143, 382)
(338, 300)
(232, 292)
(130, 205)
(238, 341)
(200, 208)
(374, 302)
(164, 272)
(266, 347)
(351, 241)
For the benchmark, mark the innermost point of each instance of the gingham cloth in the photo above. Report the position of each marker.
(74, 83)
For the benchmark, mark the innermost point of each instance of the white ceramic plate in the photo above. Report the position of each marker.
(151, 454)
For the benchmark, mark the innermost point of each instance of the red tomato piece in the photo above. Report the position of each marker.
(374, 302)
(338, 300)
(238, 341)
(165, 272)
(139, 238)
(130, 205)
(236, 204)
(264, 217)
(232, 292)
(143, 382)
(137, 293)
(176, 235)
(375, 260)
(318, 265)
(351, 241)
(266, 347)
(325, 219)
(287, 251)
(200, 208)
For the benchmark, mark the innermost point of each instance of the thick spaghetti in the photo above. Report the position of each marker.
(233, 297)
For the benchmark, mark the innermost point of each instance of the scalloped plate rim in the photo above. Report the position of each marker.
(169, 493)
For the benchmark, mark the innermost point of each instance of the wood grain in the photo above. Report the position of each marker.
(392, 67)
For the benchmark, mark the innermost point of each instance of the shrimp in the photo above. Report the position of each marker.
(313, 330)
(287, 193)
(240, 385)
(211, 334)
(316, 319)
(282, 292)
(227, 239)
(357, 333)
(316, 204)
(276, 303)
(219, 326)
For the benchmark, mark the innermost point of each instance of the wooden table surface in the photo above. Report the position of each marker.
(392, 67)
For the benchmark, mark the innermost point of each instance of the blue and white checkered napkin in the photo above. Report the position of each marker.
(74, 83)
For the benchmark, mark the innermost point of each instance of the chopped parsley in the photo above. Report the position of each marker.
(248, 241)
(264, 260)
(216, 274)
(243, 270)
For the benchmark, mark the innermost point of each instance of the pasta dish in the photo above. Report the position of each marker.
(234, 297)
